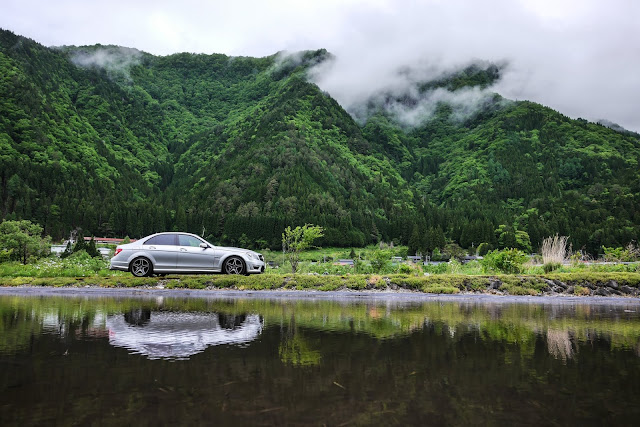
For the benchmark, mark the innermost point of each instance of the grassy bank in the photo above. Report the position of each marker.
(581, 284)
(323, 262)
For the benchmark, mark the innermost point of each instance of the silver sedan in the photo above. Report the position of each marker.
(183, 253)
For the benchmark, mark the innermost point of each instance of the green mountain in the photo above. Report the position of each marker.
(119, 142)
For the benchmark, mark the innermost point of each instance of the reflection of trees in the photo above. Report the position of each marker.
(307, 367)
(231, 321)
(138, 316)
(513, 323)
(17, 328)
(295, 349)
(559, 344)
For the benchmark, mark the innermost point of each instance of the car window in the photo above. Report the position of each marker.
(189, 240)
(162, 240)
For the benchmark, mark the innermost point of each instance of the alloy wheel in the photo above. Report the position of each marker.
(234, 265)
(140, 267)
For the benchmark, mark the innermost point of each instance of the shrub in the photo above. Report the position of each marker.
(439, 268)
(551, 266)
(508, 261)
(578, 256)
(404, 269)
(379, 260)
(298, 239)
(581, 290)
(628, 254)
(412, 269)
(439, 256)
(483, 249)
(454, 267)
(454, 251)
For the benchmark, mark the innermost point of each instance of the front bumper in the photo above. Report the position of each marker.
(255, 267)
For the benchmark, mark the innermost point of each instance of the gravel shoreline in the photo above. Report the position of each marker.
(367, 295)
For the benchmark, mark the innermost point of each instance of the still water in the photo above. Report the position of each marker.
(386, 360)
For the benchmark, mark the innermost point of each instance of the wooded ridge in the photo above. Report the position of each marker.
(119, 142)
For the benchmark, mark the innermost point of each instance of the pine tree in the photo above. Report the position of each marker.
(91, 248)
(67, 250)
(414, 241)
(80, 243)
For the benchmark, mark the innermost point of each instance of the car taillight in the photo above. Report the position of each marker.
(118, 250)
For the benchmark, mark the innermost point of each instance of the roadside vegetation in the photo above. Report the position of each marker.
(26, 260)
(312, 263)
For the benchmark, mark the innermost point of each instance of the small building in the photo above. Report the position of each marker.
(58, 249)
(105, 252)
(348, 262)
(107, 240)
(414, 259)
(434, 262)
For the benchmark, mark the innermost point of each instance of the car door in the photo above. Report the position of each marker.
(163, 249)
(192, 257)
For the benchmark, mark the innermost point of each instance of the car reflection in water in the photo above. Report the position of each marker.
(176, 336)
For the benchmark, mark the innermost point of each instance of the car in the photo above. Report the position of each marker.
(175, 252)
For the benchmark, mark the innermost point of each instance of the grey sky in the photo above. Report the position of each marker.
(580, 57)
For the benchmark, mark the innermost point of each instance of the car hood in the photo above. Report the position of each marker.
(232, 249)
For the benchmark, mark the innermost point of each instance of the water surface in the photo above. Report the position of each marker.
(100, 359)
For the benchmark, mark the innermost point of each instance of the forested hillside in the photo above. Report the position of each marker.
(119, 142)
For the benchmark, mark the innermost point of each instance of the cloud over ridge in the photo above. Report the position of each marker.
(577, 56)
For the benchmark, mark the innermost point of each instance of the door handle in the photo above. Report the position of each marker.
(152, 247)
(183, 250)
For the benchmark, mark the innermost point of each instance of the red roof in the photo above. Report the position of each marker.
(106, 239)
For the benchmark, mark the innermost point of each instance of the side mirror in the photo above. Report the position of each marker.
(204, 246)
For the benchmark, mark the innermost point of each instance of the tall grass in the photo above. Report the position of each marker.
(554, 249)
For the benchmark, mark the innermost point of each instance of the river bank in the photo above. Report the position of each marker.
(573, 284)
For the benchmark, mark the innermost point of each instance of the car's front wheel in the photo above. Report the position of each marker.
(234, 265)
(141, 267)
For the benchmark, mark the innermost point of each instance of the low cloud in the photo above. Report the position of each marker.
(116, 60)
(285, 61)
(401, 92)
(579, 57)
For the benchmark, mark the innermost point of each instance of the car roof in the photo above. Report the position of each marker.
(164, 233)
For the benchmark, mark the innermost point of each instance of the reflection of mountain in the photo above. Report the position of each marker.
(172, 335)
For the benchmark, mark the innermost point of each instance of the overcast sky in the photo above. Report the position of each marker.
(581, 57)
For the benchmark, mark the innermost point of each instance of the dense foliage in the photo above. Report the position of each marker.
(22, 240)
(116, 142)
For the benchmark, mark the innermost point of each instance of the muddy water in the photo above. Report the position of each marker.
(341, 361)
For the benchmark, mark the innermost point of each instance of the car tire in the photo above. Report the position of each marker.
(234, 265)
(141, 267)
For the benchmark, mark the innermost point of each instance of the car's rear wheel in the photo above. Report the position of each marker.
(141, 267)
(234, 265)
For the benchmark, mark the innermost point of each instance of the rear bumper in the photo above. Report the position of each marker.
(118, 265)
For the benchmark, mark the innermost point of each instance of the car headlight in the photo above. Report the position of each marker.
(250, 255)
